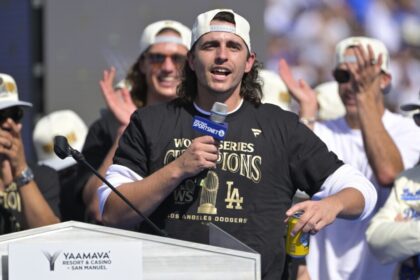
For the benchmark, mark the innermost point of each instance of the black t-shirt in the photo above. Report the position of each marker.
(99, 140)
(11, 212)
(266, 155)
(71, 205)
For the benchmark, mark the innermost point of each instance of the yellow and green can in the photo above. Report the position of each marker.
(296, 246)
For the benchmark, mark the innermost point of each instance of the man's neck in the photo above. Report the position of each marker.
(205, 100)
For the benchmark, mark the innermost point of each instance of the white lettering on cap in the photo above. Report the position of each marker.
(223, 28)
(169, 39)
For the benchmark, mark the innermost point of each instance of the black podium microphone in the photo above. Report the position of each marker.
(62, 149)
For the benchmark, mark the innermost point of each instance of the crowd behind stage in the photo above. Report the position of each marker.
(305, 33)
(340, 102)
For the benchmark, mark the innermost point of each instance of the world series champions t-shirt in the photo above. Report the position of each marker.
(265, 156)
(11, 203)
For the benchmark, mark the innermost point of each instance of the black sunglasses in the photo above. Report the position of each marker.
(341, 76)
(159, 58)
(14, 113)
(416, 118)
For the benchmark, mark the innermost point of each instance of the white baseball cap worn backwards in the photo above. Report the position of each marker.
(377, 46)
(151, 35)
(202, 26)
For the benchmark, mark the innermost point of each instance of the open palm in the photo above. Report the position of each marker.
(119, 101)
(304, 95)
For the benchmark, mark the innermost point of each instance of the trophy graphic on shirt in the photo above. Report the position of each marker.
(209, 187)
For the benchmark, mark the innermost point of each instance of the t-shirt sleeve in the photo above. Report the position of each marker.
(132, 149)
(310, 162)
(99, 140)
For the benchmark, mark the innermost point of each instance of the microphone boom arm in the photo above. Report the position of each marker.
(63, 150)
(80, 158)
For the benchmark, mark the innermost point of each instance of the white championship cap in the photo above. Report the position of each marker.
(9, 93)
(150, 34)
(329, 101)
(377, 46)
(66, 123)
(202, 26)
(274, 89)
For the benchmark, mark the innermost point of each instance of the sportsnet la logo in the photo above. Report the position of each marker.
(208, 127)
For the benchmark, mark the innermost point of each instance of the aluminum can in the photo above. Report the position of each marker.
(296, 246)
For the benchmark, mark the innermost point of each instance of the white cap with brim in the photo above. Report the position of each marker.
(202, 25)
(9, 94)
(377, 46)
(330, 104)
(151, 36)
(274, 89)
(66, 123)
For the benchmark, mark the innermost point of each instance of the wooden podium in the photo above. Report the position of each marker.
(162, 257)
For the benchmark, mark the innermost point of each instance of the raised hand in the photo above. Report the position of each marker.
(366, 73)
(11, 150)
(300, 91)
(118, 101)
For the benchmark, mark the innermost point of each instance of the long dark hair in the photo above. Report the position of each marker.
(137, 80)
(251, 89)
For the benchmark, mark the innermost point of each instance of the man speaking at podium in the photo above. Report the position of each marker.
(242, 181)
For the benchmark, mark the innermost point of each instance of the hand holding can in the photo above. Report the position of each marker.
(297, 246)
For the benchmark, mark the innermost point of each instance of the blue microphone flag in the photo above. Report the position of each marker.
(208, 127)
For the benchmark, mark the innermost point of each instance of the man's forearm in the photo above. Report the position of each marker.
(35, 208)
(146, 195)
(382, 152)
(349, 202)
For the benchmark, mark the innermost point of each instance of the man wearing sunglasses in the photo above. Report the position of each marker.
(28, 194)
(152, 79)
(376, 141)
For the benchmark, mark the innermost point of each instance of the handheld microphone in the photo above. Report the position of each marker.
(62, 149)
(214, 126)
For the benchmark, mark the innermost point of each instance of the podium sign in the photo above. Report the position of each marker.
(29, 254)
(76, 260)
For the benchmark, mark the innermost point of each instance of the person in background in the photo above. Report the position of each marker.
(68, 124)
(245, 183)
(152, 79)
(330, 105)
(394, 232)
(370, 138)
(29, 194)
(274, 90)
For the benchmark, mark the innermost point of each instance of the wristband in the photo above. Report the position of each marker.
(24, 178)
(307, 121)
